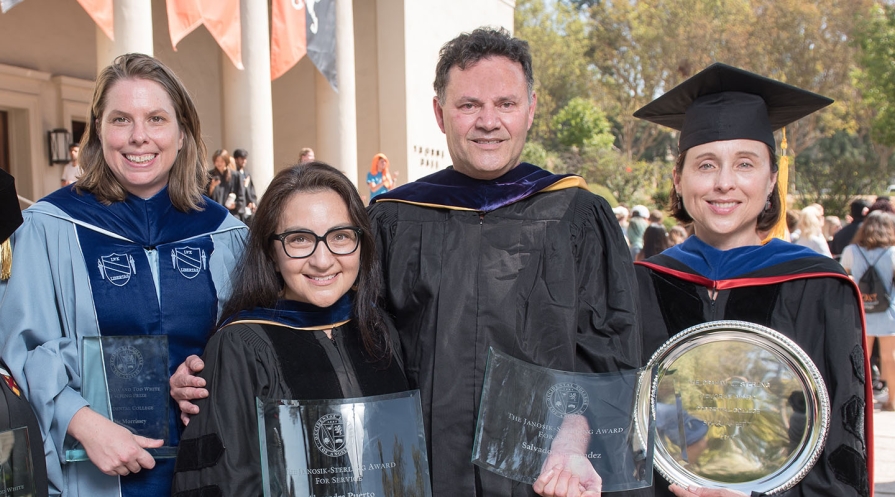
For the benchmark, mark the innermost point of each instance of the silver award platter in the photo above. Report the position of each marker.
(737, 405)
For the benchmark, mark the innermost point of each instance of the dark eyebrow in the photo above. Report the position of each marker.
(715, 156)
(705, 155)
(749, 153)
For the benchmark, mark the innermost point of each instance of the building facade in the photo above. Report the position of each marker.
(386, 51)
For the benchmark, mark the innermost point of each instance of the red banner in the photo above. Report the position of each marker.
(288, 42)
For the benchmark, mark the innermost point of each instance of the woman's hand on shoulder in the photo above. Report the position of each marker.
(111, 447)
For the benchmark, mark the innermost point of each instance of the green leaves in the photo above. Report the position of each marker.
(581, 124)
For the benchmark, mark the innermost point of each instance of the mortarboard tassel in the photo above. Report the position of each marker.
(5, 260)
(779, 230)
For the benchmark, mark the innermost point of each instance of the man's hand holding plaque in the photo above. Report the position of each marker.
(564, 433)
(567, 472)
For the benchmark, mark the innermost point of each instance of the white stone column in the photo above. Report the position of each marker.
(337, 112)
(248, 108)
(133, 32)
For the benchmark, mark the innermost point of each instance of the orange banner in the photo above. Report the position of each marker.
(220, 17)
(183, 17)
(288, 41)
(101, 13)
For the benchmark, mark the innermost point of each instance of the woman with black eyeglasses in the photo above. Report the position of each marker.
(303, 322)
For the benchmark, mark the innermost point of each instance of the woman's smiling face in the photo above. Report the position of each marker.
(140, 135)
(725, 186)
(324, 277)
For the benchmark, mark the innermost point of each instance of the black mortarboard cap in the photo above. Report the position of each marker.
(727, 103)
(10, 212)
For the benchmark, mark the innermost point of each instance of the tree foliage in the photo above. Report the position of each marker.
(619, 55)
(877, 79)
(836, 169)
(581, 124)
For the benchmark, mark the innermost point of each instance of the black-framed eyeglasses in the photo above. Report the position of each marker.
(300, 244)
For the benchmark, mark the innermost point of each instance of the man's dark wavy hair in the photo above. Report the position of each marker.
(469, 48)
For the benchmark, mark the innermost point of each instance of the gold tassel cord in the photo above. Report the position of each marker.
(779, 230)
(5, 260)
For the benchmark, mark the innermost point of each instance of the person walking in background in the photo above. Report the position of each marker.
(810, 231)
(636, 228)
(307, 155)
(655, 240)
(380, 179)
(873, 250)
(882, 204)
(224, 184)
(858, 209)
(621, 215)
(132, 249)
(72, 171)
(677, 235)
(241, 156)
(832, 225)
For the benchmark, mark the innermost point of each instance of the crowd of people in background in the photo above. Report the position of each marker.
(230, 184)
(647, 231)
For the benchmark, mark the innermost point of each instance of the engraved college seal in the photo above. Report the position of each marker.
(329, 435)
(126, 362)
(564, 399)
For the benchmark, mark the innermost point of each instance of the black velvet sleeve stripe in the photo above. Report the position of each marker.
(850, 468)
(208, 491)
(198, 453)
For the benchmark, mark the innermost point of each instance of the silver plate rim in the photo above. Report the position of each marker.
(818, 403)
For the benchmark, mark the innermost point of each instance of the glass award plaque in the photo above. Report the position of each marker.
(16, 467)
(737, 406)
(528, 414)
(365, 447)
(125, 378)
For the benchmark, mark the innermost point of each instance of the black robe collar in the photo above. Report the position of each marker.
(300, 315)
(449, 189)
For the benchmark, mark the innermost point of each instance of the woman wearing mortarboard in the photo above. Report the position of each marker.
(725, 184)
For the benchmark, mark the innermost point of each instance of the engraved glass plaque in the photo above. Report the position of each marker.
(16, 467)
(366, 447)
(125, 378)
(737, 406)
(527, 412)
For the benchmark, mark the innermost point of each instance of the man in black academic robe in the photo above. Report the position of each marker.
(497, 253)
